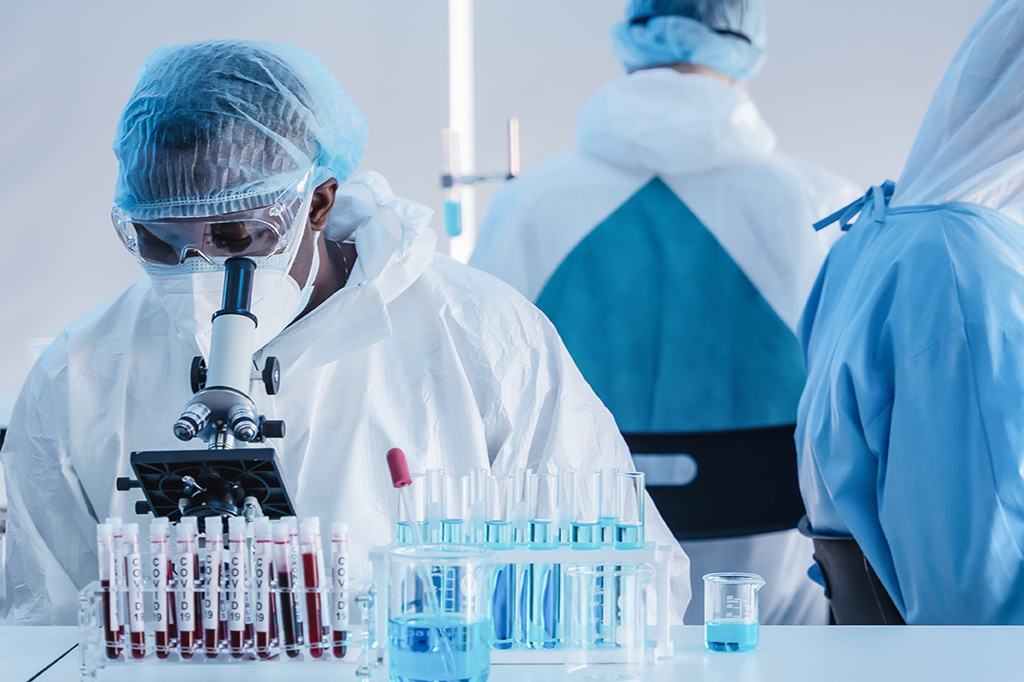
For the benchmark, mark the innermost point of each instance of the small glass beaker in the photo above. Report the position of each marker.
(730, 611)
(606, 621)
(439, 625)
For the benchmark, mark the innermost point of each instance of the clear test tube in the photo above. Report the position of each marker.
(435, 505)
(262, 570)
(108, 583)
(286, 593)
(565, 497)
(499, 535)
(477, 504)
(450, 170)
(609, 504)
(542, 581)
(454, 526)
(339, 588)
(163, 601)
(416, 507)
(311, 583)
(236, 581)
(186, 564)
(629, 530)
(521, 508)
(212, 563)
(136, 613)
(585, 525)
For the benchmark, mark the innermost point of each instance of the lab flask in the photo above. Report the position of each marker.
(606, 621)
(730, 611)
(439, 624)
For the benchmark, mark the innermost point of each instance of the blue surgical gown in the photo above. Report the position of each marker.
(910, 430)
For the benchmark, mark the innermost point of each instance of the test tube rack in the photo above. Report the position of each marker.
(654, 555)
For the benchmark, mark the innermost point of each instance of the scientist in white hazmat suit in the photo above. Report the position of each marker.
(673, 251)
(233, 147)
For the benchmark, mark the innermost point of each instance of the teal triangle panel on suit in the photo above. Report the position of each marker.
(667, 328)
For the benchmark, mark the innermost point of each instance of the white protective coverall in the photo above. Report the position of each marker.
(417, 351)
(709, 145)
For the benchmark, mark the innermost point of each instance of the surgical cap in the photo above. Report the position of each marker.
(727, 36)
(221, 126)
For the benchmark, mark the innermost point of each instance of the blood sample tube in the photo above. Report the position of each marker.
(185, 572)
(236, 585)
(339, 593)
(136, 604)
(111, 622)
(262, 565)
(119, 573)
(212, 561)
(325, 595)
(282, 564)
(295, 570)
(311, 581)
(158, 538)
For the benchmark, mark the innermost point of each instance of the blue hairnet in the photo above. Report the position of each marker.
(221, 126)
(727, 36)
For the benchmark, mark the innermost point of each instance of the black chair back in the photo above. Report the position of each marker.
(746, 481)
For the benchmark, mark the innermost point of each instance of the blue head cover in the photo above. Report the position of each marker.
(727, 36)
(221, 126)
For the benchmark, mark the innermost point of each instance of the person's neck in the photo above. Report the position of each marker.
(688, 68)
(336, 261)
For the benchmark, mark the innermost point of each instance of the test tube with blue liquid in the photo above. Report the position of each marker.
(452, 192)
(499, 535)
(629, 528)
(585, 525)
(542, 584)
(521, 506)
(454, 526)
(564, 506)
(608, 504)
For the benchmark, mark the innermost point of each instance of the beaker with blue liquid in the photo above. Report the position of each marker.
(730, 611)
(439, 629)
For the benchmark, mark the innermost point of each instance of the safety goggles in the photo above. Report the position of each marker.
(255, 233)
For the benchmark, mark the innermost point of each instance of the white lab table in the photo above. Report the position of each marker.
(26, 651)
(785, 654)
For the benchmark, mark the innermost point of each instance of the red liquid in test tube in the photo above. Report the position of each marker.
(119, 575)
(262, 567)
(214, 527)
(339, 592)
(236, 585)
(288, 610)
(136, 600)
(158, 539)
(107, 560)
(186, 562)
(311, 576)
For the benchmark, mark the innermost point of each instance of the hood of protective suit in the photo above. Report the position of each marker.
(668, 123)
(971, 143)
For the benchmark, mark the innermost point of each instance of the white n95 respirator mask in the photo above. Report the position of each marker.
(192, 292)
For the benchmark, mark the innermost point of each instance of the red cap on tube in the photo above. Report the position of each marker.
(399, 468)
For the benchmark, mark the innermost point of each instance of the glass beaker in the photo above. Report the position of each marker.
(439, 625)
(730, 611)
(599, 647)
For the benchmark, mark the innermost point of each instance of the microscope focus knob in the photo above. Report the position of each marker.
(272, 375)
(124, 483)
(272, 428)
(142, 508)
(197, 374)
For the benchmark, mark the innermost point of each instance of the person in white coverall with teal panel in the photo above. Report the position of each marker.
(673, 250)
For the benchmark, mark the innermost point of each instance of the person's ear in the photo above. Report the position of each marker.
(321, 205)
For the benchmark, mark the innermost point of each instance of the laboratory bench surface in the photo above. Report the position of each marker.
(785, 654)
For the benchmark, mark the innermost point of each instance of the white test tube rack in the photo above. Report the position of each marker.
(654, 555)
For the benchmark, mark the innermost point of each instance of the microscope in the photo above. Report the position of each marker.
(228, 478)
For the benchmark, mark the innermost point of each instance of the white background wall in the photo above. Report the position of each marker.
(845, 86)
